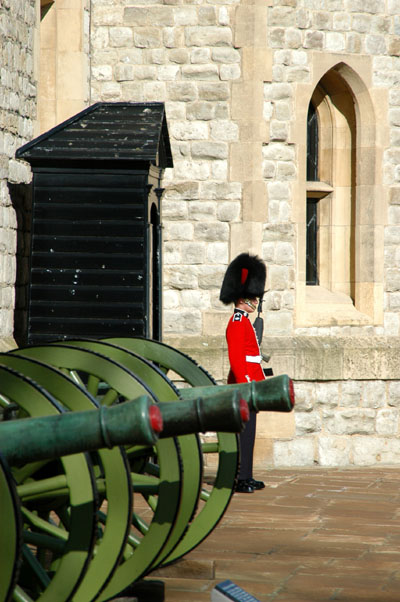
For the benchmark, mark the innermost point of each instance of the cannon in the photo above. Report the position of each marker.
(137, 507)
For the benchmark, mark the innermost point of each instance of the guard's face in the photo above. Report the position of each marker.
(248, 304)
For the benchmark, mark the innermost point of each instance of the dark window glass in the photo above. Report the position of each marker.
(312, 144)
(311, 246)
(312, 214)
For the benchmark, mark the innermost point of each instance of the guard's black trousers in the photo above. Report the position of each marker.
(246, 440)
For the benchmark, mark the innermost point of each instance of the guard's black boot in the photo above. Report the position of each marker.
(243, 486)
(256, 484)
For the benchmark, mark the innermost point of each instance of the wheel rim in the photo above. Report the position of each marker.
(116, 482)
(99, 369)
(10, 533)
(227, 446)
(77, 482)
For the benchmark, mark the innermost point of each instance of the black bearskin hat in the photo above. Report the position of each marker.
(244, 277)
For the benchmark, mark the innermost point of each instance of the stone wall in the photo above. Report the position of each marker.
(342, 423)
(17, 115)
(233, 76)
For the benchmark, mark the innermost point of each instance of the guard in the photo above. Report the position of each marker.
(243, 285)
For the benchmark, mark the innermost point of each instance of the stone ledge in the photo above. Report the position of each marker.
(335, 358)
(306, 358)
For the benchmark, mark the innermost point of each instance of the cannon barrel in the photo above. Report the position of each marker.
(132, 422)
(275, 394)
(46, 437)
(220, 411)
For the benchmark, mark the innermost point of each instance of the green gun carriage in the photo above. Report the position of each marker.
(93, 523)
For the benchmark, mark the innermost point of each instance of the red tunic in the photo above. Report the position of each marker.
(243, 349)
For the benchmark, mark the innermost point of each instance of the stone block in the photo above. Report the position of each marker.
(223, 54)
(305, 397)
(217, 252)
(279, 130)
(210, 276)
(203, 111)
(245, 161)
(279, 191)
(334, 451)
(178, 55)
(351, 394)
(209, 150)
(387, 422)
(374, 394)
(200, 72)
(216, 323)
(307, 422)
(221, 190)
(394, 191)
(211, 231)
(189, 130)
(229, 72)
(18, 172)
(250, 25)
(228, 211)
(298, 452)
(208, 36)
(182, 91)
(178, 230)
(372, 451)
(394, 214)
(351, 421)
(193, 253)
(167, 73)
(123, 36)
(185, 15)
(207, 15)
(200, 55)
(222, 129)
(284, 253)
(279, 323)
(279, 277)
(213, 91)
(195, 299)
(180, 278)
(183, 321)
(183, 190)
(172, 253)
(375, 44)
(327, 394)
(263, 453)
(194, 170)
(171, 299)
(314, 40)
(173, 37)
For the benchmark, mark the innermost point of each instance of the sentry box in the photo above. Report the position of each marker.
(94, 259)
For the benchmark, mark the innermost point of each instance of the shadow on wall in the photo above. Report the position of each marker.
(21, 199)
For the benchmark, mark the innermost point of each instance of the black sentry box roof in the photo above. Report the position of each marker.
(105, 131)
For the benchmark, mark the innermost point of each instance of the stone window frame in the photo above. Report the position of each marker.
(330, 303)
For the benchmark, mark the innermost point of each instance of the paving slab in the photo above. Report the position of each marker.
(311, 535)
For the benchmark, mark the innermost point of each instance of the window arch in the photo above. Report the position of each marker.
(340, 229)
(330, 186)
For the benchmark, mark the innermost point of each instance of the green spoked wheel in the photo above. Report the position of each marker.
(191, 457)
(57, 503)
(214, 502)
(111, 382)
(10, 533)
(112, 478)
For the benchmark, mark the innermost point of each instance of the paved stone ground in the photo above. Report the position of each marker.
(310, 535)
